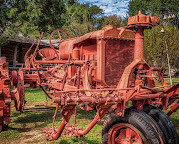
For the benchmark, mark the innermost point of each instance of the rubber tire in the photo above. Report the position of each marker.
(164, 122)
(140, 120)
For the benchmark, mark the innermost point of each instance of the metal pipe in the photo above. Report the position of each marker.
(71, 99)
(174, 108)
(94, 90)
(26, 55)
(37, 47)
(91, 125)
(148, 96)
(139, 44)
(110, 99)
(76, 62)
(34, 69)
(64, 122)
(45, 92)
(59, 131)
(81, 132)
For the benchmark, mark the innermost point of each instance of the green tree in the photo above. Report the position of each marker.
(82, 18)
(155, 47)
(112, 20)
(30, 17)
(156, 7)
(4, 21)
(23, 17)
(136, 5)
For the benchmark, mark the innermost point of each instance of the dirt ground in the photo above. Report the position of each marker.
(30, 137)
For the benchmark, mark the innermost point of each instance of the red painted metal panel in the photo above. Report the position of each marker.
(118, 55)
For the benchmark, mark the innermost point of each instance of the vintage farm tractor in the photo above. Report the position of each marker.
(104, 70)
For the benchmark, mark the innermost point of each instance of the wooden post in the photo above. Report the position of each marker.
(15, 56)
(20, 55)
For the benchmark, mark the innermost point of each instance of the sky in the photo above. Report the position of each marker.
(110, 7)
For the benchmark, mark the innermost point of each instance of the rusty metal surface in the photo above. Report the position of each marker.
(5, 97)
(17, 93)
(124, 133)
(47, 53)
(173, 109)
(67, 46)
(145, 21)
(118, 55)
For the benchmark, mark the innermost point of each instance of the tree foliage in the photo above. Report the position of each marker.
(82, 18)
(156, 7)
(155, 47)
(112, 20)
(30, 17)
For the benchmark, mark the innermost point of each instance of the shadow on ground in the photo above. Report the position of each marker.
(38, 119)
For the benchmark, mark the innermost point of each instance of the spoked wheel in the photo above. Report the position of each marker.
(164, 122)
(136, 127)
(60, 39)
(124, 133)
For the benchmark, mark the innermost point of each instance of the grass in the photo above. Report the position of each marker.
(174, 80)
(27, 127)
(36, 120)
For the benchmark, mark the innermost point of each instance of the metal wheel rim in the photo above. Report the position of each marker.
(123, 133)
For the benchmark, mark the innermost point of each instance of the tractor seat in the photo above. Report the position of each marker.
(47, 53)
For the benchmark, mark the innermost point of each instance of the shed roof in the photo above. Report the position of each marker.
(22, 39)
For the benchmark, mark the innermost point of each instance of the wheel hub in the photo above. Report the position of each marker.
(124, 134)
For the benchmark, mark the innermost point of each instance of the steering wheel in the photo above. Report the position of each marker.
(59, 35)
(59, 40)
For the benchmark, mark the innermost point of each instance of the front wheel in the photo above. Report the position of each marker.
(136, 127)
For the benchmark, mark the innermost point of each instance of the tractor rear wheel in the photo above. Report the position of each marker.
(136, 127)
(164, 123)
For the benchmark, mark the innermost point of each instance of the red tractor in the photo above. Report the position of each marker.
(103, 71)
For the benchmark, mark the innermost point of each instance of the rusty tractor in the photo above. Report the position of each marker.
(103, 71)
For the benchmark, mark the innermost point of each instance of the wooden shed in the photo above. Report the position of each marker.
(16, 48)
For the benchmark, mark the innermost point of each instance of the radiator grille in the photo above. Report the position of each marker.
(118, 55)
